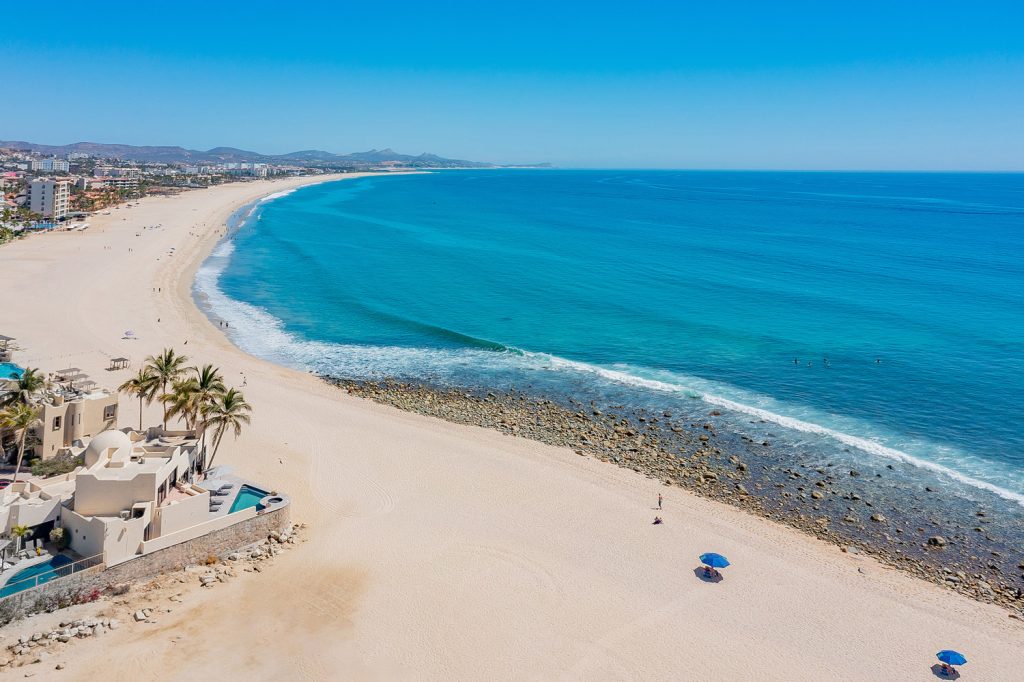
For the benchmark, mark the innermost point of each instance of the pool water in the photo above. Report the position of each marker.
(248, 496)
(9, 368)
(43, 573)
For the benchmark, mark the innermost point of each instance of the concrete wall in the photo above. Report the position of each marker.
(210, 526)
(123, 538)
(93, 418)
(108, 497)
(34, 514)
(87, 535)
(51, 439)
(66, 591)
(181, 514)
(116, 539)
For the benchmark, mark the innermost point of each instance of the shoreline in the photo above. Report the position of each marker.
(448, 551)
(901, 527)
(704, 460)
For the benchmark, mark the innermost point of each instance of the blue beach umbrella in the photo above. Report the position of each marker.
(951, 657)
(714, 560)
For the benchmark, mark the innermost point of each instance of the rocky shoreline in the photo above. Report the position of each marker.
(971, 551)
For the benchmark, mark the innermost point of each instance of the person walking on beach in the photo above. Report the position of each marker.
(659, 500)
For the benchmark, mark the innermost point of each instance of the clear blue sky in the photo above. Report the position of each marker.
(878, 85)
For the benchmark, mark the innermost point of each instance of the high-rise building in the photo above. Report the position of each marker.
(49, 197)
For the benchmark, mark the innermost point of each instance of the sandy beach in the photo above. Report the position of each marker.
(439, 551)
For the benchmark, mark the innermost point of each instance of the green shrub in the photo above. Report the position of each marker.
(61, 464)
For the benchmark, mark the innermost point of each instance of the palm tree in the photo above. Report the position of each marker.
(20, 532)
(167, 367)
(180, 401)
(207, 387)
(189, 396)
(19, 417)
(30, 383)
(143, 386)
(227, 411)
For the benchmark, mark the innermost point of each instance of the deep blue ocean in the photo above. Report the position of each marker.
(874, 317)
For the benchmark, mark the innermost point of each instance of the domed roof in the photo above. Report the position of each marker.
(117, 443)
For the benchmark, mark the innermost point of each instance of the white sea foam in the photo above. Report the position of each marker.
(277, 195)
(257, 332)
(864, 444)
(222, 250)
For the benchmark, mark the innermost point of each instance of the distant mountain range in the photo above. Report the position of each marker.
(309, 157)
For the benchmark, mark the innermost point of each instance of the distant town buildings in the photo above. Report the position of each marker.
(49, 197)
(108, 181)
(50, 166)
(115, 172)
(42, 190)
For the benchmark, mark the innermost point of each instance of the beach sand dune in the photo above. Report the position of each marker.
(439, 551)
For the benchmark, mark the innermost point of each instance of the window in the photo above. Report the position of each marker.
(56, 423)
(109, 412)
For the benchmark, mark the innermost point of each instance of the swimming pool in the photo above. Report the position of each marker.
(9, 368)
(43, 573)
(248, 496)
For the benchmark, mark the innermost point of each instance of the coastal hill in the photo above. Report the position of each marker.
(309, 157)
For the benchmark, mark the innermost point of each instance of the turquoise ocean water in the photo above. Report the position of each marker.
(873, 318)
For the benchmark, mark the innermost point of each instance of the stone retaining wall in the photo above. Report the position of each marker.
(77, 587)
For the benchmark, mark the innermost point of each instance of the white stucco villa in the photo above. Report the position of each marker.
(135, 493)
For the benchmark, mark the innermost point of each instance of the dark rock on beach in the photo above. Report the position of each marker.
(911, 529)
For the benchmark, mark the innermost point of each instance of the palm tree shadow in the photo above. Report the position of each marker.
(938, 671)
(715, 577)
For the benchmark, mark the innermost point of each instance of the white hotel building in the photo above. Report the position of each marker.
(49, 197)
(51, 166)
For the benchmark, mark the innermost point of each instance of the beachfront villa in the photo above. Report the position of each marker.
(71, 410)
(69, 416)
(135, 493)
(135, 489)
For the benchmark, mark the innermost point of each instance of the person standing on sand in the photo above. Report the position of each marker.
(659, 500)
